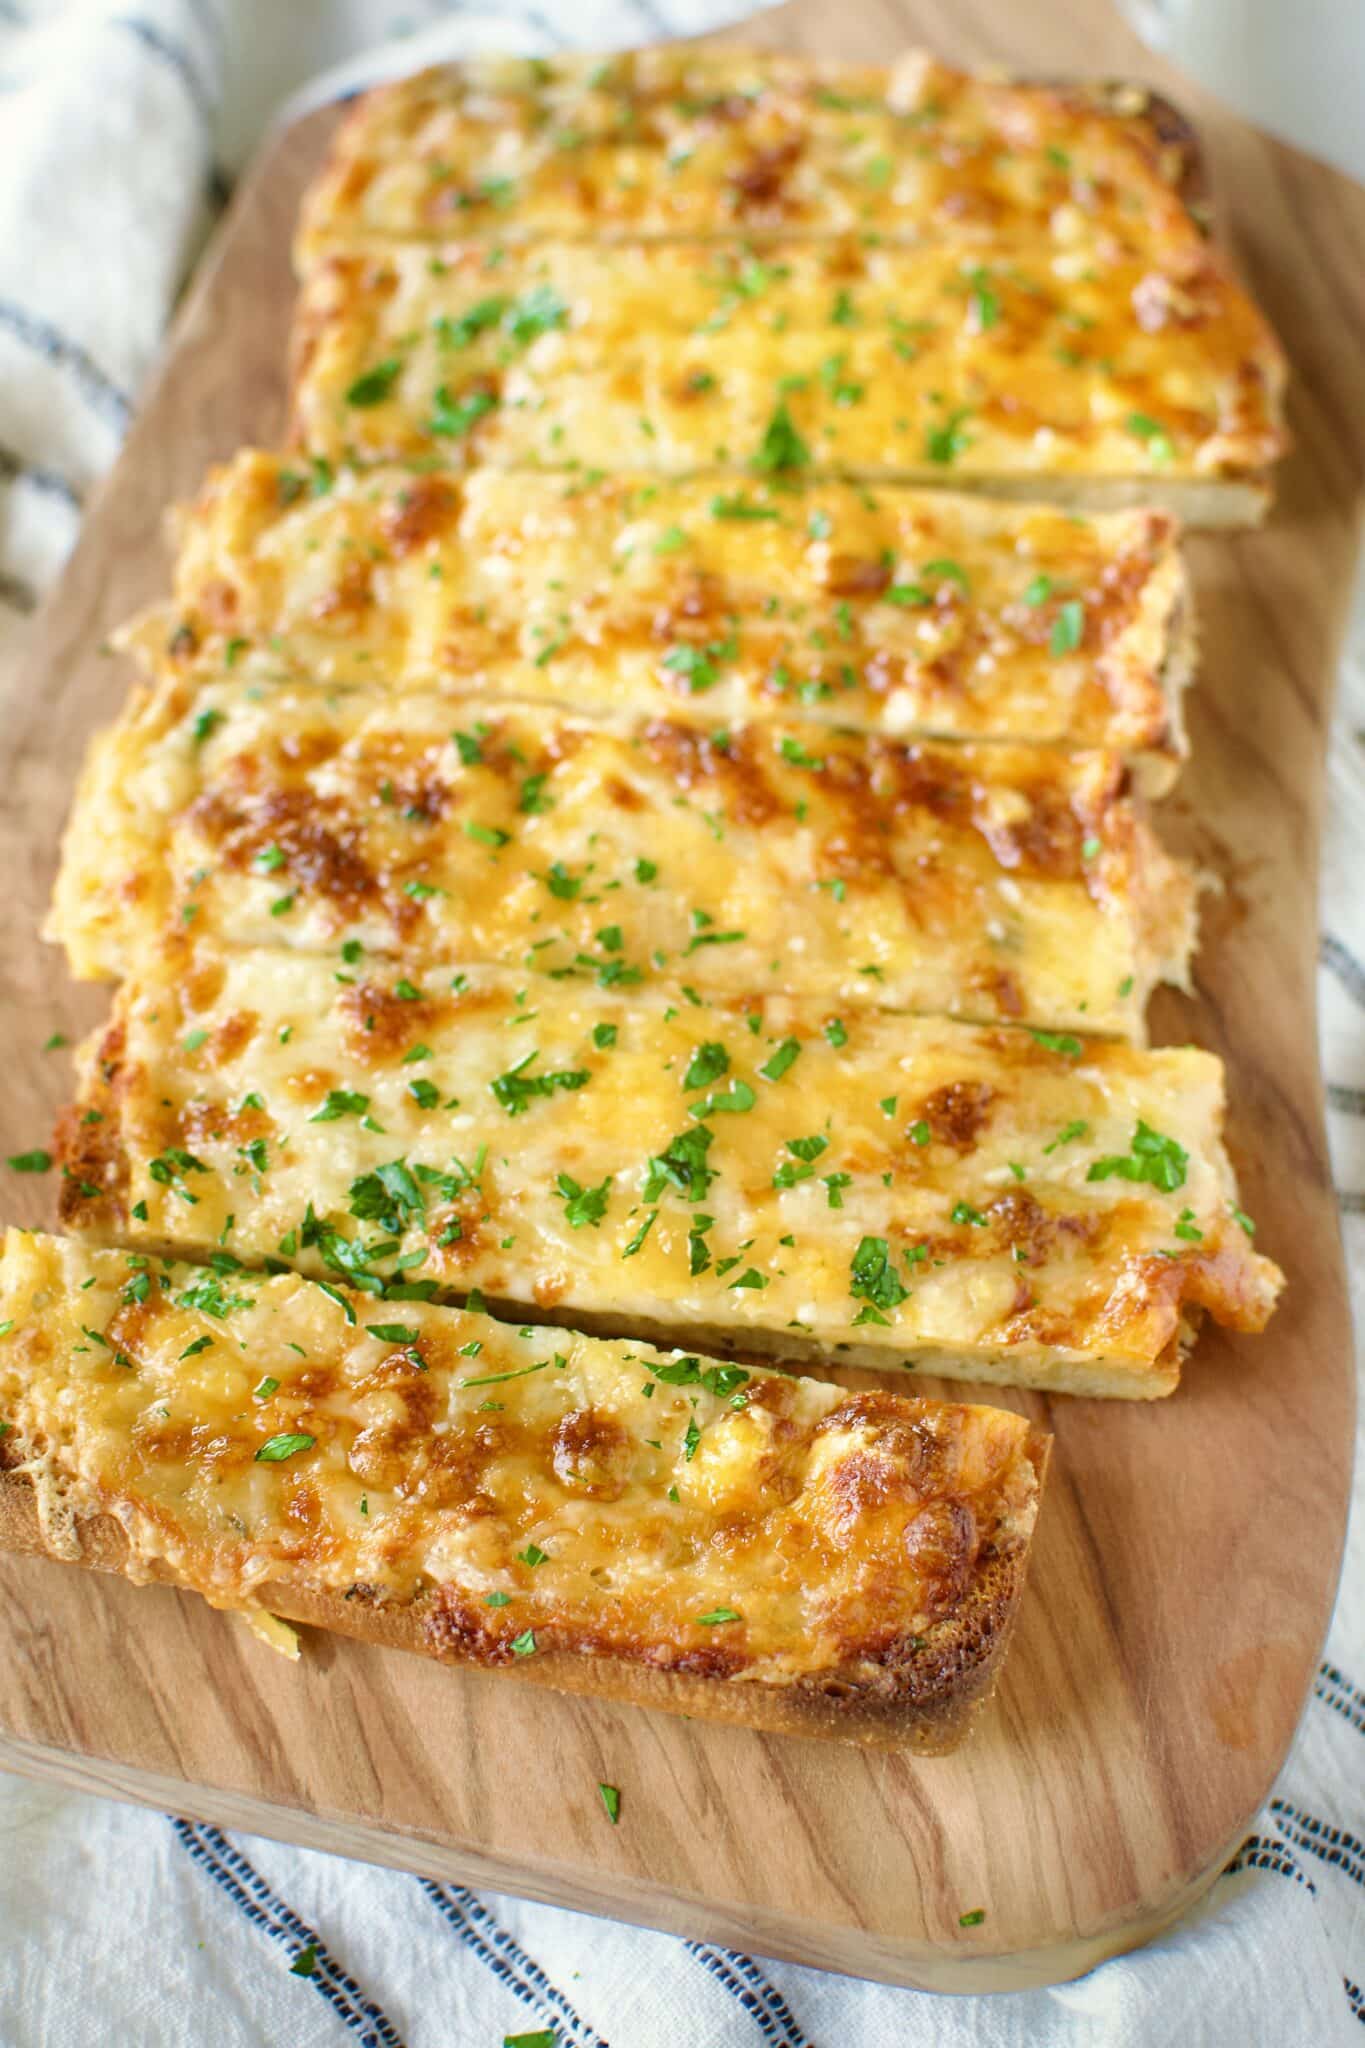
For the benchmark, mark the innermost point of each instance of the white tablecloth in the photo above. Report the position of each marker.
(117, 118)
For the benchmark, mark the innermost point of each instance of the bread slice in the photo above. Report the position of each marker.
(682, 140)
(1082, 378)
(600, 1517)
(759, 1174)
(984, 882)
(917, 615)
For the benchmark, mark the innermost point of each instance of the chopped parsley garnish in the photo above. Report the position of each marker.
(740, 507)
(524, 1645)
(801, 1166)
(697, 664)
(453, 417)
(1150, 1157)
(782, 447)
(340, 1102)
(263, 1388)
(465, 327)
(387, 1196)
(793, 751)
(208, 1297)
(629, 1250)
(1151, 431)
(516, 1088)
(277, 1448)
(1185, 1227)
(583, 1205)
(682, 1166)
(1039, 590)
(1068, 1134)
(963, 1212)
(1064, 1042)
(393, 1333)
(611, 1800)
(973, 1919)
(782, 1060)
(375, 385)
(734, 1100)
(835, 1032)
(943, 444)
(603, 1036)
(561, 883)
(717, 1616)
(873, 1278)
(305, 1962)
(1068, 628)
(30, 1162)
(708, 1063)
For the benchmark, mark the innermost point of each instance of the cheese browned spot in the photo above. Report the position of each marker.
(773, 855)
(497, 1494)
(1023, 370)
(723, 598)
(1030, 1208)
(689, 141)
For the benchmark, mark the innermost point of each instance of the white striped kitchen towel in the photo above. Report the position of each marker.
(123, 1926)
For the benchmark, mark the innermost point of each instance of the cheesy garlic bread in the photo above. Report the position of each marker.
(983, 882)
(916, 614)
(1018, 372)
(690, 141)
(599, 1517)
(761, 1173)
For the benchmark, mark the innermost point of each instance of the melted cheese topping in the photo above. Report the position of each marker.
(545, 1491)
(907, 613)
(1002, 1204)
(684, 141)
(986, 882)
(874, 361)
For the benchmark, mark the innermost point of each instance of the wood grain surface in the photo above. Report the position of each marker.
(1188, 1551)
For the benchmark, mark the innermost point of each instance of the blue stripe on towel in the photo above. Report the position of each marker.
(496, 1947)
(253, 1897)
(721, 1965)
(14, 469)
(100, 391)
(1333, 1846)
(1259, 1853)
(777, 2005)
(175, 57)
(1342, 964)
(1336, 1692)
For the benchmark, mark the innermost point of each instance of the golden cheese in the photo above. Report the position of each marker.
(1042, 372)
(1010, 882)
(912, 614)
(689, 141)
(527, 1491)
(1008, 1205)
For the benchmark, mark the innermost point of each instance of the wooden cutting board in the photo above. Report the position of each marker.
(1188, 1551)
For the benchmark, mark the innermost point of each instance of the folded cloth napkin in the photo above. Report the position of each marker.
(128, 1926)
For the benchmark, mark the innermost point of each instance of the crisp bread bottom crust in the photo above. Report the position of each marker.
(924, 1705)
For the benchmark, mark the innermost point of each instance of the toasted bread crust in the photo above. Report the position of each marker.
(925, 1704)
